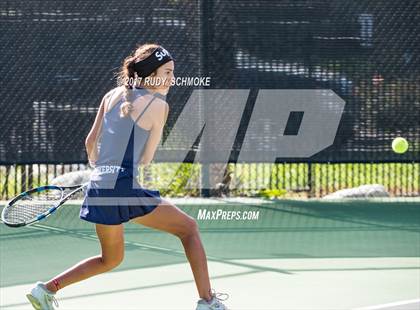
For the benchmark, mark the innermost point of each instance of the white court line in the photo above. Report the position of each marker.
(94, 237)
(144, 246)
(398, 303)
(137, 244)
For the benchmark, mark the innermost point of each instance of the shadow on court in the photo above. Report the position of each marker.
(284, 229)
(305, 247)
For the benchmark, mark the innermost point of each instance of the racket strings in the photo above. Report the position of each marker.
(50, 195)
(21, 213)
(30, 206)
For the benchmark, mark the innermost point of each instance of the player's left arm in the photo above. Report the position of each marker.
(91, 141)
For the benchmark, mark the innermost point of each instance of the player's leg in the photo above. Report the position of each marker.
(169, 218)
(111, 238)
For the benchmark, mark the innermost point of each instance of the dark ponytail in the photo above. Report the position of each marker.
(129, 84)
(128, 76)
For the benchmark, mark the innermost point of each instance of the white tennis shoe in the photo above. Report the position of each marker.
(214, 304)
(41, 298)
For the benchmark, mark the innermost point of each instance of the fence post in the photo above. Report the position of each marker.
(22, 178)
(206, 40)
(30, 175)
(6, 184)
(310, 180)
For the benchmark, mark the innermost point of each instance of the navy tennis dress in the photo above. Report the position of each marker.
(113, 194)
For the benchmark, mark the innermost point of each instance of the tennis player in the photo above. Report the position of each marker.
(129, 125)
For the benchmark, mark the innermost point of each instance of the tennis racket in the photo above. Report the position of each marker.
(37, 204)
